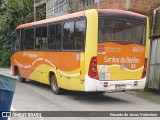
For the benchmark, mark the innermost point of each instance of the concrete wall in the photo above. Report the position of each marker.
(154, 65)
(39, 2)
(50, 8)
(39, 9)
(68, 7)
(145, 7)
(141, 6)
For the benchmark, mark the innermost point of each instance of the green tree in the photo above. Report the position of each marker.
(12, 14)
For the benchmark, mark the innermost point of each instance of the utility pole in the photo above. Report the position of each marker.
(34, 10)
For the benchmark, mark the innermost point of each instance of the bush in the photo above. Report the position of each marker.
(5, 62)
(12, 13)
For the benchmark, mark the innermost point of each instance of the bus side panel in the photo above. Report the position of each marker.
(19, 61)
(91, 46)
(40, 74)
(69, 67)
(76, 82)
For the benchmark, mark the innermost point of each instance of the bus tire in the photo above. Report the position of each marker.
(54, 86)
(21, 79)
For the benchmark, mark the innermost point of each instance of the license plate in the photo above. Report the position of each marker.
(120, 87)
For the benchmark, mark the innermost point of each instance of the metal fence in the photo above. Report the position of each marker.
(154, 65)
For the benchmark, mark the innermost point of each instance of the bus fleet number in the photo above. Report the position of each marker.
(133, 66)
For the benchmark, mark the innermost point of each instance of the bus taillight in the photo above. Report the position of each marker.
(145, 69)
(93, 73)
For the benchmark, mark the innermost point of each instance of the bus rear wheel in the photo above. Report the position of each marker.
(54, 86)
(21, 79)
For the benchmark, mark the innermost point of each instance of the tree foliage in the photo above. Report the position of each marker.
(12, 14)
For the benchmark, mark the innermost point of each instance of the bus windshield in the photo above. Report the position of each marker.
(111, 30)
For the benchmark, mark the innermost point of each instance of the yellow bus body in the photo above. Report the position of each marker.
(71, 68)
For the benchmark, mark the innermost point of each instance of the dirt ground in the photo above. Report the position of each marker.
(150, 95)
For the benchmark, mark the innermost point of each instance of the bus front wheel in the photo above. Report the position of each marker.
(21, 79)
(54, 86)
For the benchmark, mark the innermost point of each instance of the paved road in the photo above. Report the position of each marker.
(32, 96)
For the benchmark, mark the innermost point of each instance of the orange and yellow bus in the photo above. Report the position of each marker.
(92, 51)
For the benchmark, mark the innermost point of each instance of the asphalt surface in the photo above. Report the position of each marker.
(33, 96)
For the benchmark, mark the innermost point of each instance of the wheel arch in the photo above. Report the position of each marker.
(51, 73)
(16, 70)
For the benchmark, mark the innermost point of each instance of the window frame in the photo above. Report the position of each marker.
(83, 47)
(19, 42)
(36, 27)
(14, 41)
(69, 20)
(58, 6)
(47, 25)
(63, 34)
(89, 2)
(142, 23)
(24, 47)
(74, 20)
(55, 23)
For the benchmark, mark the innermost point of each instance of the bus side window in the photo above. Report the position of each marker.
(17, 41)
(41, 38)
(51, 37)
(44, 38)
(55, 37)
(68, 36)
(58, 38)
(29, 39)
(22, 40)
(38, 38)
(79, 35)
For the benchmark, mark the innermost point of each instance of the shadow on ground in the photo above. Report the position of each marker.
(91, 97)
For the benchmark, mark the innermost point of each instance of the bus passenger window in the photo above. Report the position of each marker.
(121, 31)
(79, 35)
(22, 40)
(17, 42)
(68, 36)
(29, 39)
(51, 38)
(58, 38)
(55, 37)
(41, 38)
